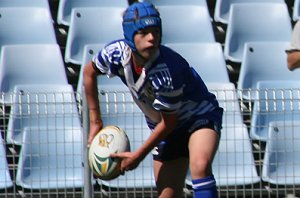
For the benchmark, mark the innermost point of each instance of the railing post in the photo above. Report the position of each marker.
(88, 187)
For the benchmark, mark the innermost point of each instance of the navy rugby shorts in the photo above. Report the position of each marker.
(176, 144)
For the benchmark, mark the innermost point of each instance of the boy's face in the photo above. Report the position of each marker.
(147, 41)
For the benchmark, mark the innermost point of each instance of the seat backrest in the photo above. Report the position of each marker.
(264, 61)
(205, 58)
(84, 29)
(195, 26)
(222, 7)
(281, 161)
(233, 163)
(284, 138)
(41, 106)
(51, 158)
(26, 25)
(65, 7)
(228, 100)
(279, 96)
(41, 64)
(27, 3)
(275, 100)
(296, 10)
(255, 23)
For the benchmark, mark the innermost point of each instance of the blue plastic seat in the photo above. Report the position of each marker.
(205, 58)
(84, 30)
(281, 165)
(228, 100)
(255, 23)
(88, 52)
(222, 8)
(27, 3)
(277, 100)
(65, 7)
(296, 10)
(51, 158)
(195, 26)
(234, 163)
(5, 178)
(41, 64)
(48, 106)
(26, 25)
(263, 61)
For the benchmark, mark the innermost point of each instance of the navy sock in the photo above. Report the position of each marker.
(205, 187)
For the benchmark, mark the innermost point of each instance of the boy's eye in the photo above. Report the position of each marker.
(142, 32)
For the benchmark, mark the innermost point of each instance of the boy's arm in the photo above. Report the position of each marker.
(91, 92)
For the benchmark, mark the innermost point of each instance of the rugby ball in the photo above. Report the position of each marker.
(110, 139)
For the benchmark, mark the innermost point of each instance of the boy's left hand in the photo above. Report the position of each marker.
(130, 160)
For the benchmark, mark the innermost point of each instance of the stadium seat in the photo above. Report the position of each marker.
(281, 164)
(263, 61)
(255, 23)
(118, 108)
(205, 58)
(26, 25)
(195, 26)
(51, 158)
(296, 10)
(277, 100)
(222, 8)
(228, 100)
(41, 64)
(234, 163)
(88, 52)
(49, 106)
(84, 30)
(5, 178)
(27, 3)
(65, 7)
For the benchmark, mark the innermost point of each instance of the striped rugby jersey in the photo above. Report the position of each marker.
(167, 84)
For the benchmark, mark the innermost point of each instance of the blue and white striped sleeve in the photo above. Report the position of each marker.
(110, 58)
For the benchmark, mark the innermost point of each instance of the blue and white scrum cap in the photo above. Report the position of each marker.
(139, 16)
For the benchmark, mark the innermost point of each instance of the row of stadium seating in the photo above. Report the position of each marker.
(44, 118)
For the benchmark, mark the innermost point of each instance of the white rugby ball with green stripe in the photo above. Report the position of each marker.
(110, 139)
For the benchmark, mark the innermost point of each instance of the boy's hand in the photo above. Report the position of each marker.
(95, 127)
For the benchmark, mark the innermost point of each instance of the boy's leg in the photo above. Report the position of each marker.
(203, 144)
(170, 177)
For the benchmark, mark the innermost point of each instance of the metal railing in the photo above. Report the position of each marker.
(43, 152)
